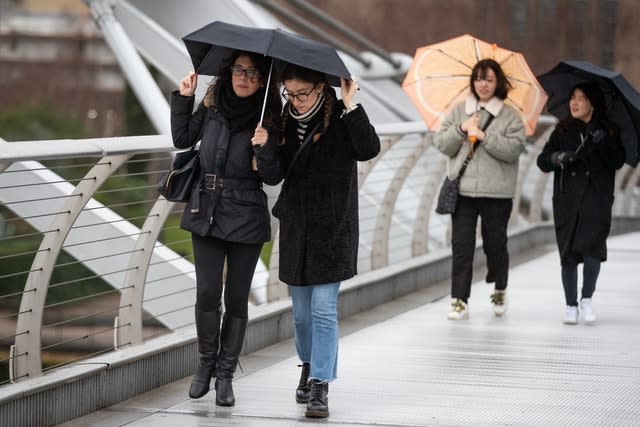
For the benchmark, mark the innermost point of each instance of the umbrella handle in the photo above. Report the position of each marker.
(266, 94)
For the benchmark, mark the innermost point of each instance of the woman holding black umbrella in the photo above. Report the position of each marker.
(584, 152)
(318, 211)
(227, 212)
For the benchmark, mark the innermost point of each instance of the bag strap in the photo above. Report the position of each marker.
(304, 143)
(470, 155)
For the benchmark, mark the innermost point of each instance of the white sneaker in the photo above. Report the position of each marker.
(586, 308)
(571, 315)
(499, 302)
(459, 310)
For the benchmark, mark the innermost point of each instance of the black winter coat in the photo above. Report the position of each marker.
(318, 203)
(583, 190)
(233, 213)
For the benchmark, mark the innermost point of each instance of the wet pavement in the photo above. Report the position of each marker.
(405, 364)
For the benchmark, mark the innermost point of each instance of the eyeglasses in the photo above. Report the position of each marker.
(237, 70)
(301, 96)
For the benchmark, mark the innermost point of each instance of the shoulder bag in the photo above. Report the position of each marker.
(448, 196)
(176, 185)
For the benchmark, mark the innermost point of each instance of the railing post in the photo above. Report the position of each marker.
(380, 243)
(420, 235)
(129, 324)
(275, 288)
(28, 358)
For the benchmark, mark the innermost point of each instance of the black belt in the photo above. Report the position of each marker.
(213, 182)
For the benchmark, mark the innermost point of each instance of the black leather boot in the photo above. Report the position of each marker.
(208, 329)
(302, 392)
(318, 405)
(233, 329)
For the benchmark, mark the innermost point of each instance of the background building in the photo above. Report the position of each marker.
(52, 55)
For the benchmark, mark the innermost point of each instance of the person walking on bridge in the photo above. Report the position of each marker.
(227, 212)
(489, 135)
(583, 153)
(318, 211)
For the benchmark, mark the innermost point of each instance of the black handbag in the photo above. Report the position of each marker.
(177, 184)
(448, 196)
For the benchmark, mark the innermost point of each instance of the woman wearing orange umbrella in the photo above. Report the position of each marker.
(488, 184)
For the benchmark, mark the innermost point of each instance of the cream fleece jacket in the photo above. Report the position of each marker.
(493, 170)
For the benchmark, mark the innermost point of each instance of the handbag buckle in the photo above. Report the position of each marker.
(209, 181)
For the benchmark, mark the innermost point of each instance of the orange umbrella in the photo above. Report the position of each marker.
(438, 79)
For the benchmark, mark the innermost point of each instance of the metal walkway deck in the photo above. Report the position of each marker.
(412, 367)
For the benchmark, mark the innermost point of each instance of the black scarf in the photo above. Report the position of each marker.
(242, 113)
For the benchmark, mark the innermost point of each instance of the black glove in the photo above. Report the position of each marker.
(563, 158)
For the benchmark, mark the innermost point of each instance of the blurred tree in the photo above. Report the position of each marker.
(37, 122)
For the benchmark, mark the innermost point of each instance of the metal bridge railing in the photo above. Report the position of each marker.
(92, 260)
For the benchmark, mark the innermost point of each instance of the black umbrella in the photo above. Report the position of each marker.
(212, 44)
(623, 101)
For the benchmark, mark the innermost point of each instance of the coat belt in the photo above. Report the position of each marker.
(212, 182)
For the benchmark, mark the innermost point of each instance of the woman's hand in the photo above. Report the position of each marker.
(188, 84)
(260, 136)
(475, 134)
(348, 88)
(472, 122)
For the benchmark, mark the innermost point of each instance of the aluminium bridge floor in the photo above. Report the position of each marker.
(405, 364)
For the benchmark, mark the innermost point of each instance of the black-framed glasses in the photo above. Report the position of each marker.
(301, 96)
(237, 70)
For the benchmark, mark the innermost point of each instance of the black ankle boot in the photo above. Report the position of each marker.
(208, 330)
(224, 392)
(318, 406)
(302, 392)
(231, 339)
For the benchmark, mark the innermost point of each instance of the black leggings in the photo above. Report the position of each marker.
(210, 254)
(590, 272)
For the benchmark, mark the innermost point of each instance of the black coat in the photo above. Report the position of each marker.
(318, 203)
(583, 190)
(233, 214)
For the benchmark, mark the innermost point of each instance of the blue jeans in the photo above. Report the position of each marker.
(315, 317)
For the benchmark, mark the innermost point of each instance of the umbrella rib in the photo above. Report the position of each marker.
(454, 58)
(505, 59)
(514, 104)
(526, 82)
(454, 98)
(466, 76)
(476, 49)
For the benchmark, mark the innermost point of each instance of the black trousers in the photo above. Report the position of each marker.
(590, 272)
(494, 215)
(210, 254)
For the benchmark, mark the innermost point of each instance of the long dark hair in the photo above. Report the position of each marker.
(596, 97)
(261, 63)
(297, 72)
(503, 85)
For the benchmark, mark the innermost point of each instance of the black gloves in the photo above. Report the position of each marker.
(563, 158)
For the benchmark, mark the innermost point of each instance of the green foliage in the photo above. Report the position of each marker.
(37, 122)
(265, 254)
(136, 120)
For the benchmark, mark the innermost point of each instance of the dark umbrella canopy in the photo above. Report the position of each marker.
(623, 101)
(212, 44)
